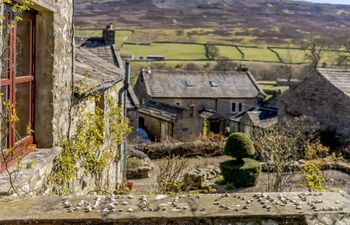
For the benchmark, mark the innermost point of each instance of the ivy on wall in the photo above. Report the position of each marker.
(90, 148)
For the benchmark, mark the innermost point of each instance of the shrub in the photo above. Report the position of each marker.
(239, 146)
(134, 162)
(241, 173)
(230, 187)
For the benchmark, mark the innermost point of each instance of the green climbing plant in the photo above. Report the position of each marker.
(87, 147)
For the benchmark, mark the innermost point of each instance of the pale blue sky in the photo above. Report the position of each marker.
(347, 2)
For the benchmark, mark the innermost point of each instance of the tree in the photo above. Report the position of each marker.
(224, 64)
(280, 147)
(314, 49)
(212, 52)
(191, 66)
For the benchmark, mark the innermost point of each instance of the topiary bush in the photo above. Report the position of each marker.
(242, 171)
(239, 146)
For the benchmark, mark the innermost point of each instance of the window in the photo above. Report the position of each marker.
(236, 107)
(214, 83)
(17, 80)
(189, 83)
(178, 103)
(240, 107)
(233, 107)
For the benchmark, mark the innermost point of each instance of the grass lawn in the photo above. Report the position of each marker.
(170, 51)
(229, 52)
(259, 54)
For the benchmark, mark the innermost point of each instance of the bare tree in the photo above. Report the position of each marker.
(280, 147)
(314, 49)
(224, 64)
(171, 174)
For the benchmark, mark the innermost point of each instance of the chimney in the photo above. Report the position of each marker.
(109, 34)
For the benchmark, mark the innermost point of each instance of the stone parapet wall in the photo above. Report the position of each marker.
(215, 209)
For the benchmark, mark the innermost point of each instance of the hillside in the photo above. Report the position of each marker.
(275, 21)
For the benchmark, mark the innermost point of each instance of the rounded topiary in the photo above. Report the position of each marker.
(239, 146)
(242, 173)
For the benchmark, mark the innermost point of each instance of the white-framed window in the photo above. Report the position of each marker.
(236, 107)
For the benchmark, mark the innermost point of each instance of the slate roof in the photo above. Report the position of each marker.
(161, 111)
(262, 119)
(199, 84)
(340, 78)
(93, 70)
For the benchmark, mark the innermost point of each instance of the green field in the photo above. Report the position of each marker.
(259, 54)
(170, 51)
(229, 52)
(144, 45)
(291, 55)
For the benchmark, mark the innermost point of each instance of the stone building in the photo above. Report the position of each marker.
(39, 81)
(186, 104)
(323, 96)
(255, 118)
(105, 48)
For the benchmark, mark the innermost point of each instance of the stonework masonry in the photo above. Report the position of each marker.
(212, 209)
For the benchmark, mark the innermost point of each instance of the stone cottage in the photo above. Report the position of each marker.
(186, 104)
(39, 81)
(324, 96)
(106, 49)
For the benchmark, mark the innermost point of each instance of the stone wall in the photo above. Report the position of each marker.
(317, 98)
(213, 209)
(53, 71)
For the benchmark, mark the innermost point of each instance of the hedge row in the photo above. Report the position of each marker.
(184, 149)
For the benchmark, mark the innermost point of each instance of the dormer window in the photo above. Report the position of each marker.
(189, 83)
(214, 83)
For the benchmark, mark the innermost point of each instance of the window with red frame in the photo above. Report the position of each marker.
(17, 83)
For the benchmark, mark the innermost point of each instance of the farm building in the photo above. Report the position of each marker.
(185, 104)
(324, 96)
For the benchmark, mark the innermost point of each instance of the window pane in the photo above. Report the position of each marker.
(3, 123)
(233, 107)
(23, 104)
(23, 48)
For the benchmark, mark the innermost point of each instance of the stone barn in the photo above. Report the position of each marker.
(187, 104)
(324, 96)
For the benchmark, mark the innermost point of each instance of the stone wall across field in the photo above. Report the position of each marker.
(183, 149)
(211, 209)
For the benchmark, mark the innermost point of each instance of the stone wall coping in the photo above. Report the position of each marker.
(31, 165)
(131, 209)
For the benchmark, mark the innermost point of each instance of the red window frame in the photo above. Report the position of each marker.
(24, 146)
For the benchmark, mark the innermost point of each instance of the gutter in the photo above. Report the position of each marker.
(122, 96)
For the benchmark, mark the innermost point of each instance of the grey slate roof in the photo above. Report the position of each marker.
(340, 78)
(262, 119)
(161, 111)
(176, 84)
(94, 70)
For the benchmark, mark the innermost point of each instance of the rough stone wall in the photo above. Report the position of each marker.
(54, 71)
(317, 98)
(113, 172)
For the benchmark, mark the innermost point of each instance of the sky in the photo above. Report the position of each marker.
(347, 2)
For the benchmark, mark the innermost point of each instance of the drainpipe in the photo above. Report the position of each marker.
(122, 97)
